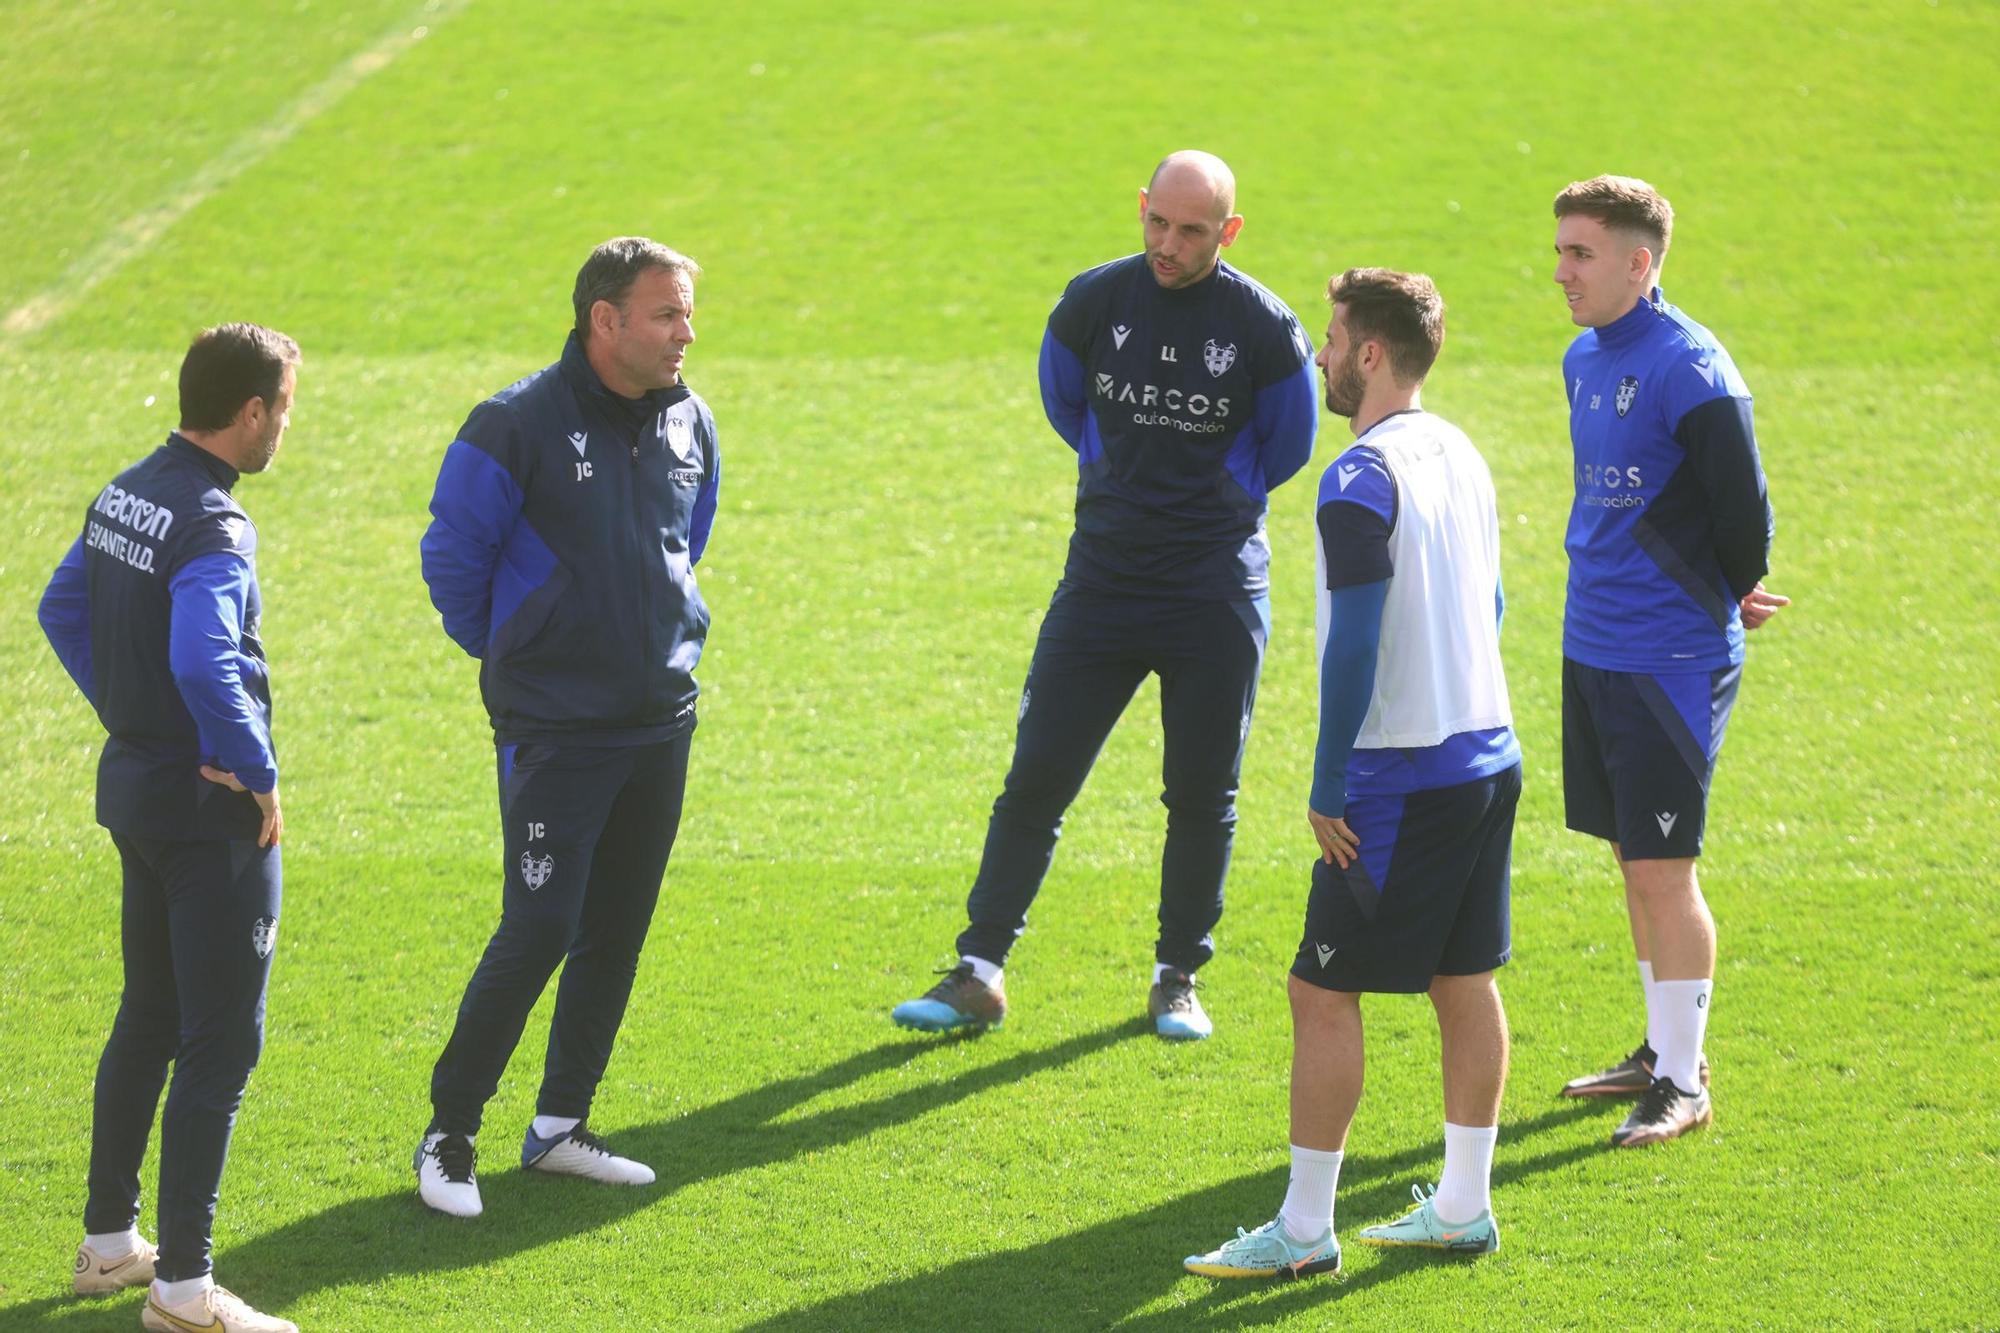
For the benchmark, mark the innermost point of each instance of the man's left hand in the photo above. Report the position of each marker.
(1337, 842)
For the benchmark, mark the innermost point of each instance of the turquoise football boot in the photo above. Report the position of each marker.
(1423, 1228)
(1268, 1252)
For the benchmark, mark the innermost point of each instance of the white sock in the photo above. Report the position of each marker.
(1308, 1210)
(1466, 1188)
(180, 1293)
(988, 974)
(114, 1244)
(550, 1126)
(1683, 1024)
(1160, 970)
(1646, 983)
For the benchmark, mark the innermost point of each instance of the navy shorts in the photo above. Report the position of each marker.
(1427, 896)
(1638, 754)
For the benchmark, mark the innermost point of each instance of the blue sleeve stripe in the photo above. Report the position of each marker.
(703, 518)
(525, 566)
(1241, 460)
(1286, 422)
(473, 512)
(1347, 683)
(1063, 396)
(204, 651)
(1360, 477)
(65, 617)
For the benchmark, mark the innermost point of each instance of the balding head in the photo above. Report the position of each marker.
(1196, 173)
(1188, 211)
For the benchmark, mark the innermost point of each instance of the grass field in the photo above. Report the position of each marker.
(886, 201)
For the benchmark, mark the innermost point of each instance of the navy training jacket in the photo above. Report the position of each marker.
(1186, 408)
(565, 528)
(155, 613)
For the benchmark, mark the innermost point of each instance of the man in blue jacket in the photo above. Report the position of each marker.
(1186, 390)
(155, 613)
(1669, 540)
(568, 518)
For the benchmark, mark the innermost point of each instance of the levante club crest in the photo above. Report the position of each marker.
(1628, 391)
(535, 870)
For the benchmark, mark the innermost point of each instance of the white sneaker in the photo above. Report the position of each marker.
(581, 1153)
(445, 1177)
(216, 1310)
(95, 1275)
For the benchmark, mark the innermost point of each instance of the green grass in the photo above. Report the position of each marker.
(886, 200)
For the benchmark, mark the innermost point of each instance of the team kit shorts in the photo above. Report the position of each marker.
(1639, 752)
(1427, 895)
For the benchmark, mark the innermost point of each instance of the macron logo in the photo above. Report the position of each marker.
(1666, 822)
(1325, 954)
(579, 439)
(1120, 334)
(1347, 476)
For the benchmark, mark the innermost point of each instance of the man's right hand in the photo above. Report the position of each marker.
(1759, 606)
(267, 801)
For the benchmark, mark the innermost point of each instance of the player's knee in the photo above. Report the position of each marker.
(1662, 881)
(1449, 993)
(1032, 808)
(1317, 1007)
(215, 1062)
(1194, 808)
(146, 1034)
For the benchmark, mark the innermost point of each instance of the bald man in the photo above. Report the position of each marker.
(1186, 390)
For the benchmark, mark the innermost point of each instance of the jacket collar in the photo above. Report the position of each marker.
(576, 368)
(220, 472)
(1629, 327)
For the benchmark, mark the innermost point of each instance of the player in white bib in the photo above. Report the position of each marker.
(1415, 783)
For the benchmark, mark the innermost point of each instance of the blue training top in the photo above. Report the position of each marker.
(1186, 407)
(1672, 521)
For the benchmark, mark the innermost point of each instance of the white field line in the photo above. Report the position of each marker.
(131, 238)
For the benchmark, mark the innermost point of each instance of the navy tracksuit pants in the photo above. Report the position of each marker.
(587, 832)
(200, 923)
(1093, 651)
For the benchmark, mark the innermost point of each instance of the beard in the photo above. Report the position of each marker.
(261, 453)
(1345, 388)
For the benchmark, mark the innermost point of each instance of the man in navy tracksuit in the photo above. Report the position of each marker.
(1187, 391)
(155, 613)
(568, 518)
(1669, 540)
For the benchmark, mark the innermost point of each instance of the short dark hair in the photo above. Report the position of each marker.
(1402, 311)
(1625, 203)
(614, 266)
(228, 365)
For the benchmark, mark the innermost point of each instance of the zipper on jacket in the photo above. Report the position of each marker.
(645, 561)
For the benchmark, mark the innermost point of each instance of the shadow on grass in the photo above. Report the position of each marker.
(1101, 1275)
(368, 1240)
